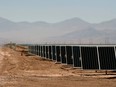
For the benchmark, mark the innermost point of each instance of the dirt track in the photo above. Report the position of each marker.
(32, 71)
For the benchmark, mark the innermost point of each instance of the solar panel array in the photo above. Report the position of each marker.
(94, 57)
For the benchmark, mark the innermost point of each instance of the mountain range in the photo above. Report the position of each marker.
(73, 30)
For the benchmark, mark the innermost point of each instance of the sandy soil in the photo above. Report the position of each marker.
(33, 71)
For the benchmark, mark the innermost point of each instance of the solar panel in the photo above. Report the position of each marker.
(53, 53)
(63, 54)
(46, 51)
(107, 58)
(69, 54)
(58, 54)
(33, 49)
(50, 56)
(89, 58)
(76, 56)
(39, 50)
(36, 49)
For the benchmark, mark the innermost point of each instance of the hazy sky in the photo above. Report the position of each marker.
(57, 10)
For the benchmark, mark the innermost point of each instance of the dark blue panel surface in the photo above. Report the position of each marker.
(76, 56)
(53, 53)
(89, 58)
(63, 54)
(69, 54)
(47, 54)
(107, 58)
(50, 56)
(58, 59)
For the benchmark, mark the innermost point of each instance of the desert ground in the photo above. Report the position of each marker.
(33, 71)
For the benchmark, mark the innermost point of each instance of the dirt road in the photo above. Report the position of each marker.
(32, 71)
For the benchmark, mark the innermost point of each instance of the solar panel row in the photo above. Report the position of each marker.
(86, 57)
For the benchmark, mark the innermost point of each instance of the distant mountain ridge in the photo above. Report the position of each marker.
(74, 29)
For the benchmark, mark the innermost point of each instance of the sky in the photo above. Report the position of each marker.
(92, 11)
